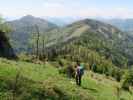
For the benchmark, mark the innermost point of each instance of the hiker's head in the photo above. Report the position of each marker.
(78, 63)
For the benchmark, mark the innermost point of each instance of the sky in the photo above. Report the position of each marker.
(67, 8)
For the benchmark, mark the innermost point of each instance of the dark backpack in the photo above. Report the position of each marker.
(80, 71)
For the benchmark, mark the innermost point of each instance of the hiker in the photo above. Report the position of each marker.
(79, 73)
(94, 67)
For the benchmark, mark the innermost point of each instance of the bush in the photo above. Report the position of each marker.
(26, 89)
(62, 62)
(69, 70)
(117, 74)
(108, 69)
(128, 79)
(24, 57)
(63, 70)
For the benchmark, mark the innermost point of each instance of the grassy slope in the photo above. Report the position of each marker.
(47, 80)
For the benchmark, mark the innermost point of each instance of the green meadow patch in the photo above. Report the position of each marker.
(27, 81)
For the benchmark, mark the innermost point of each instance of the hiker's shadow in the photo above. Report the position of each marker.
(91, 89)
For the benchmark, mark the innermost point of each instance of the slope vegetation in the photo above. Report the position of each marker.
(28, 81)
(106, 40)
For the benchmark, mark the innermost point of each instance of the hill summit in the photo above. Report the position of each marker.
(24, 28)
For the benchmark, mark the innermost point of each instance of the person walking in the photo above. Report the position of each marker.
(79, 73)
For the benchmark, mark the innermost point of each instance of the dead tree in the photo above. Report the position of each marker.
(37, 41)
(43, 46)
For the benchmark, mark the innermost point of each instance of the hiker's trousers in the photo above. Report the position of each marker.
(78, 79)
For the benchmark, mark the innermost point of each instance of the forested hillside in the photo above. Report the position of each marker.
(24, 29)
(46, 51)
(66, 50)
(104, 39)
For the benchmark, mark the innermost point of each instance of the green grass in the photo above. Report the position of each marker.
(45, 82)
(103, 88)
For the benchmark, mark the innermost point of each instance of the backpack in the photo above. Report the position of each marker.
(80, 70)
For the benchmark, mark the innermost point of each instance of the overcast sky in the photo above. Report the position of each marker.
(63, 8)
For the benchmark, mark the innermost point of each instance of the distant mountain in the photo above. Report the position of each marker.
(105, 39)
(23, 29)
(78, 29)
(123, 24)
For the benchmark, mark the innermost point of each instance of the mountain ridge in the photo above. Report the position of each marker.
(23, 29)
(105, 39)
(90, 34)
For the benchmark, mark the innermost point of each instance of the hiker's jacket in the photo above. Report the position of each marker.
(79, 70)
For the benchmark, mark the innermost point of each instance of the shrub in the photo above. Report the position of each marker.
(69, 70)
(128, 79)
(119, 75)
(24, 57)
(62, 62)
(63, 70)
